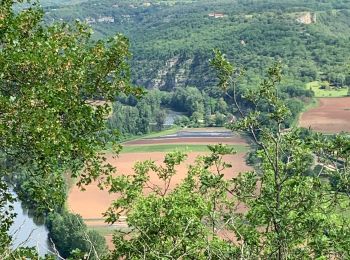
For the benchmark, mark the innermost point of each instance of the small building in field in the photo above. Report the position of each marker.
(216, 15)
(106, 19)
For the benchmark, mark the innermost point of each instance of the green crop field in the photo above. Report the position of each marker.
(315, 87)
(174, 147)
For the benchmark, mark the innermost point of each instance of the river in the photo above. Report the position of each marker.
(27, 232)
(171, 116)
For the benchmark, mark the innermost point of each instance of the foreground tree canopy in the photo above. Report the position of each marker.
(50, 122)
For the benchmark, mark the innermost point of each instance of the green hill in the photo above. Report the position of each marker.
(173, 40)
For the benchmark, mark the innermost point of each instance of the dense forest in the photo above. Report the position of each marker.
(172, 41)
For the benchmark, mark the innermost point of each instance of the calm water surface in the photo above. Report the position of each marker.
(28, 232)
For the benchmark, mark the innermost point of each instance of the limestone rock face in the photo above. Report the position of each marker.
(176, 72)
(307, 18)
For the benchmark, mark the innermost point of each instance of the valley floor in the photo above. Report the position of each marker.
(90, 204)
(332, 115)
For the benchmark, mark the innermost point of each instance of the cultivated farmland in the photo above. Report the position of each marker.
(90, 204)
(332, 115)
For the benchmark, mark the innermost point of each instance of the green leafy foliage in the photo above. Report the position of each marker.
(50, 122)
(172, 222)
(291, 211)
(72, 239)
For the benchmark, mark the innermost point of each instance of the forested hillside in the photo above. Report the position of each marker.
(172, 40)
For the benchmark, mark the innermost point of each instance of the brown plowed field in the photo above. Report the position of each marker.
(331, 116)
(90, 204)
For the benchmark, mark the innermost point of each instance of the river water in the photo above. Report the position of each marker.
(171, 116)
(27, 232)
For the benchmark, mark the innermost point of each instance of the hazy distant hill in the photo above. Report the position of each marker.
(172, 40)
(61, 2)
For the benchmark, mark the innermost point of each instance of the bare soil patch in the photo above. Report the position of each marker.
(90, 204)
(109, 241)
(331, 116)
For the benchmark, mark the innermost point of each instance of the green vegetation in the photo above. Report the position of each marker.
(138, 117)
(172, 41)
(292, 202)
(187, 148)
(172, 44)
(49, 75)
(322, 89)
(72, 238)
(174, 129)
(103, 230)
(133, 118)
(170, 222)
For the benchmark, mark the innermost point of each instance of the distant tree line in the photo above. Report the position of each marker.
(72, 238)
(132, 116)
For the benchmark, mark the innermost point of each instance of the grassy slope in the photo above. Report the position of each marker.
(320, 93)
(169, 131)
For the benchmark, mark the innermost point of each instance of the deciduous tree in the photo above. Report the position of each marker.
(293, 212)
(51, 78)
